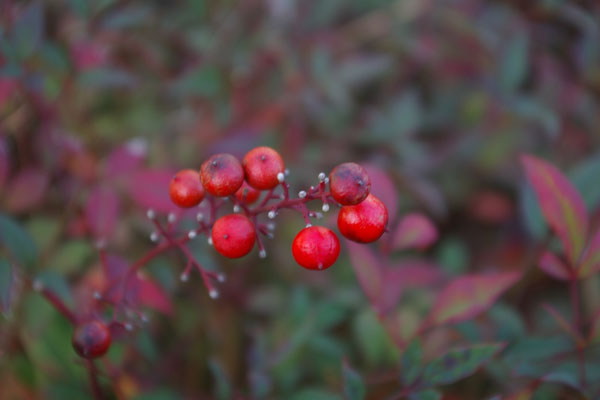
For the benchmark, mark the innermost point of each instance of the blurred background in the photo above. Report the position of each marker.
(100, 101)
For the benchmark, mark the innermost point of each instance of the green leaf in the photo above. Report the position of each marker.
(6, 285)
(458, 364)
(354, 387)
(160, 394)
(429, 394)
(222, 385)
(411, 362)
(314, 394)
(57, 284)
(28, 30)
(17, 241)
(71, 256)
(514, 63)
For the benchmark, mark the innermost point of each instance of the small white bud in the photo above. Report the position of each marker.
(262, 253)
(281, 177)
(322, 176)
(151, 214)
(312, 188)
(97, 295)
(221, 278)
(145, 318)
(302, 194)
(213, 293)
(325, 207)
(326, 180)
(172, 217)
(38, 286)
(318, 215)
(184, 277)
(210, 242)
(137, 146)
(192, 234)
(128, 326)
(199, 217)
(154, 236)
(271, 214)
(236, 208)
(100, 243)
(286, 172)
(271, 226)
(308, 225)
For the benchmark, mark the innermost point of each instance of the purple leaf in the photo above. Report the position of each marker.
(554, 266)
(560, 203)
(469, 295)
(102, 211)
(383, 187)
(368, 270)
(150, 189)
(125, 159)
(414, 231)
(4, 161)
(26, 190)
(152, 295)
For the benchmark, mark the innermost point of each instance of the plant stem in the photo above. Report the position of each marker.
(59, 305)
(94, 382)
(578, 323)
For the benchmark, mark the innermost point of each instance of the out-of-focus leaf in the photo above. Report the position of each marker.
(383, 187)
(71, 256)
(152, 295)
(536, 348)
(222, 388)
(149, 189)
(458, 364)
(564, 324)
(102, 211)
(45, 231)
(553, 266)
(590, 263)
(514, 62)
(314, 394)
(561, 204)
(354, 387)
(126, 158)
(28, 30)
(368, 270)
(509, 324)
(26, 190)
(7, 282)
(105, 77)
(453, 256)
(206, 81)
(530, 213)
(5, 160)
(159, 394)
(428, 394)
(584, 177)
(414, 231)
(411, 362)
(56, 283)
(467, 296)
(373, 342)
(17, 241)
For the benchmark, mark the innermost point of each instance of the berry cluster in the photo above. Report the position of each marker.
(362, 217)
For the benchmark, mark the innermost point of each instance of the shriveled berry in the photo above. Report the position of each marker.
(247, 194)
(349, 183)
(233, 235)
(364, 222)
(222, 174)
(91, 339)
(185, 189)
(316, 247)
(262, 165)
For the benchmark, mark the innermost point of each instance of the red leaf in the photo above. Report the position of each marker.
(102, 211)
(125, 159)
(383, 188)
(414, 231)
(152, 295)
(561, 204)
(7, 88)
(553, 266)
(150, 189)
(368, 270)
(26, 190)
(466, 297)
(590, 263)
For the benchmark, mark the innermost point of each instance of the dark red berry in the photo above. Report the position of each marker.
(349, 183)
(316, 247)
(262, 165)
(233, 235)
(222, 175)
(247, 194)
(364, 222)
(185, 189)
(91, 339)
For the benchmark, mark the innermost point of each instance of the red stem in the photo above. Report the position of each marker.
(94, 382)
(60, 306)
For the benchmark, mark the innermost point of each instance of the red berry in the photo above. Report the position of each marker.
(247, 194)
(222, 174)
(186, 189)
(349, 183)
(91, 339)
(233, 235)
(316, 247)
(364, 222)
(262, 165)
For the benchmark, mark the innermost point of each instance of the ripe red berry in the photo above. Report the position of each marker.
(316, 247)
(364, 222)
(186, 189)
(233, 235)
(262, 165)
(91, 339)
(247, 194)
(222, 174)
(349, 183)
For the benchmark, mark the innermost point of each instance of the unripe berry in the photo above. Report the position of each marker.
(91, 339)
(247, 194)
(364, 222)
(262, 165)
(349, 183)
(316, 247)
(186, 189)
(233, 235)
(222, 174)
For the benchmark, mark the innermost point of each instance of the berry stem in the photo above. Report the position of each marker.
(94, 382)
(58, 304)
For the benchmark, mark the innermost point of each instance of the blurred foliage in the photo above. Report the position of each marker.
(108, 97)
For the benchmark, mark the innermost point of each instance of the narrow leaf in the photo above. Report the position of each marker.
(367, 269)
(150, 189)
(560, 203)
(17, 241)
(125, 159)
(458, 364)
(469, 295)
(411, 362)
(564, 324)
(26, 190)
(384, 188)
(415, 231)
(553, 266)
(102, 211)
(354, 387)
(590, 263)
